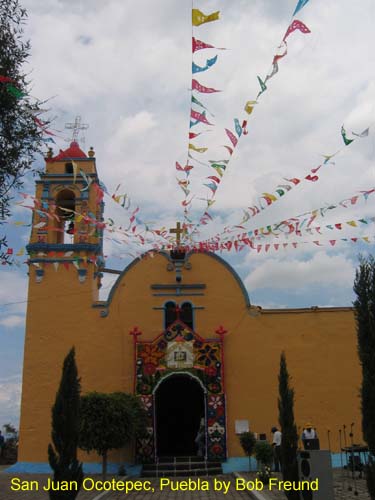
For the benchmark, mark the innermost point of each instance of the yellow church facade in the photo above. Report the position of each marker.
(178, 330)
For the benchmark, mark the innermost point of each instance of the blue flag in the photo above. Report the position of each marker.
(209, 63)
(300, 4)
(238, 127)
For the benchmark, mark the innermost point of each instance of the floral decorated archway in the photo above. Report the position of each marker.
(179, 349)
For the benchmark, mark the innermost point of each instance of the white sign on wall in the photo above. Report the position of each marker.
(241, 426)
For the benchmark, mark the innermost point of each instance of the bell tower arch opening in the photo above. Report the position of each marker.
(179, 408)
(66, 204)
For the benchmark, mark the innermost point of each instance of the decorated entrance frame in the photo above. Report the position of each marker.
(180, 350)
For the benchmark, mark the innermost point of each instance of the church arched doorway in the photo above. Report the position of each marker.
(179, 408)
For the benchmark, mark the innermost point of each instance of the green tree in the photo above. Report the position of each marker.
(9, 429)
(20, 136)
(62, 455)
(364, 307)
(289, 441)
(109, 421)
(247, 440)
(263, 453)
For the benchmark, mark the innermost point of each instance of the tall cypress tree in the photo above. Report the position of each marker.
(364, 307)
(289, 441)
(62, 456)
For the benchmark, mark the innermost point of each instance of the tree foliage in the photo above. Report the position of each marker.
(62, 455)
(247, 440)
(263, 452)
(289, 441)
(20, 137)
(364, 307)
(110, 421)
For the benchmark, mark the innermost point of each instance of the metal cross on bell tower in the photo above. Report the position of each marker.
(76, 127)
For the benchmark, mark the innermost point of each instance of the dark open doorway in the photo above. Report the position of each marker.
(179, 405)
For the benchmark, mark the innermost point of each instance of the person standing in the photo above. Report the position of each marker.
(276, 443)
(200, 439)
(308, 433)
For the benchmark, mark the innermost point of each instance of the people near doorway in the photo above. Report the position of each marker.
(200, 439)
(276, 443)
(308, 434)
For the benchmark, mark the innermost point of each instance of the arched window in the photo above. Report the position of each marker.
(170, 314)
(186, 314)
(65, 201)
(69, 168)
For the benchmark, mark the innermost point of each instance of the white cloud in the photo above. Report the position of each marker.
(133, 126)
(293, 274)
(10, 399)
(12, 321)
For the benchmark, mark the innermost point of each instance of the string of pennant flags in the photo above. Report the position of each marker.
(295, 224)
(240, 125)
(287, 184)
(143, 236)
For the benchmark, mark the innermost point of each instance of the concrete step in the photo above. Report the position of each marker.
(210, 471)
(181, 466)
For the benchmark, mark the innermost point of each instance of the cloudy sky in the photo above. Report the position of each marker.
(125, 67)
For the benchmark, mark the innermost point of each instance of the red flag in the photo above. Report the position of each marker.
(277, 57)
(192, 135)
(296, 25)
(312, 178)
(183, 169)
(232, 137)
(198, 45)
(294, 180)
(200, 117)
(214, 178)
(201, 88)
(333, 242)
(229, 149)
(5, 79)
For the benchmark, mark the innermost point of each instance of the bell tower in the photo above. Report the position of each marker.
(67, 222)
(65, 259)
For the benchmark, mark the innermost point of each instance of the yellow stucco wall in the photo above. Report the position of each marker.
(320, 347)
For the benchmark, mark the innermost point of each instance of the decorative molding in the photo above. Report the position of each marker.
(192, 286)
(178, 294)
(63, 247)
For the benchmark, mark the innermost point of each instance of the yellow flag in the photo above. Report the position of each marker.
(198, 150)
(270, 196)
(249, 106)
(20, 252)
(366, 239)
(352, 223)
(199, 18)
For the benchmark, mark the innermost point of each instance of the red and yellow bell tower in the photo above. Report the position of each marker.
(65, 257)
